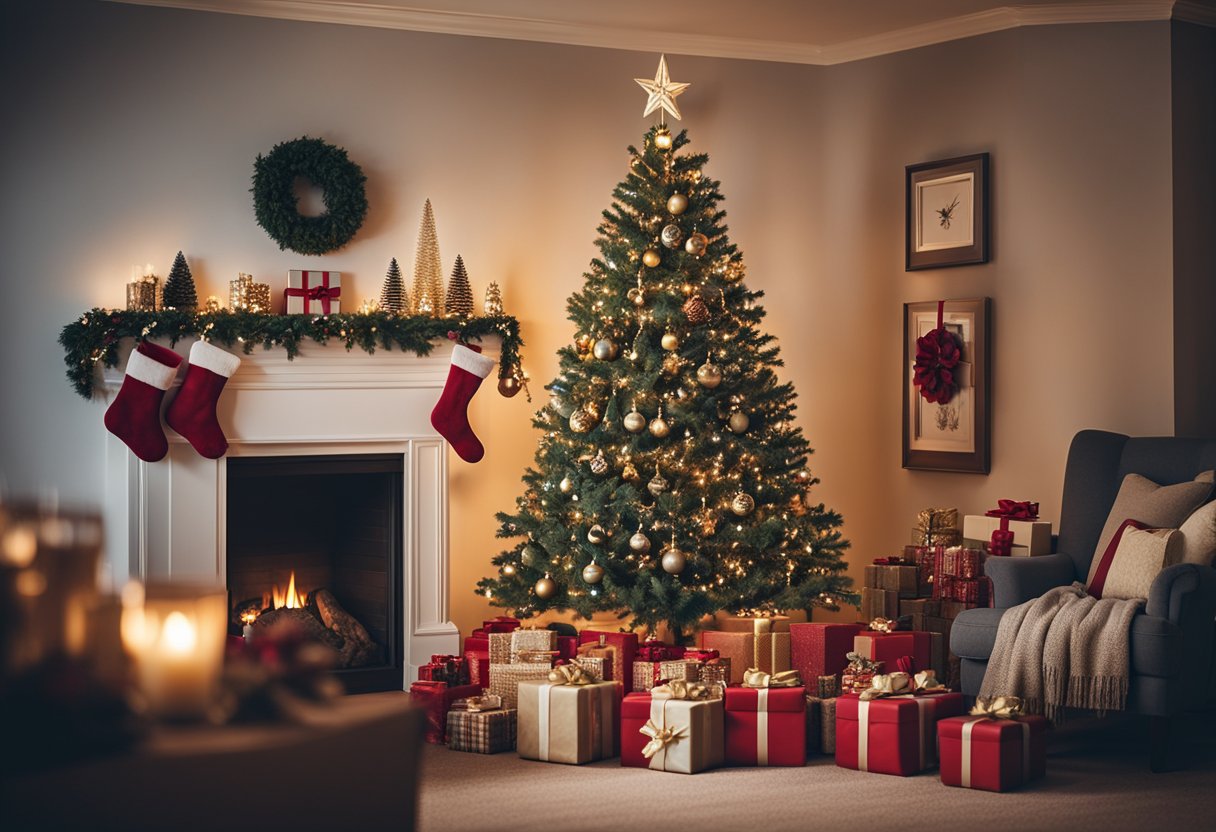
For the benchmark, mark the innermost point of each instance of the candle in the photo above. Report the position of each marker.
(247, 632)
(176, 638)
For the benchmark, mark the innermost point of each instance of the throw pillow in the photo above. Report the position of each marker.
(1133, 559)
(1156, 506)
(1199, 536)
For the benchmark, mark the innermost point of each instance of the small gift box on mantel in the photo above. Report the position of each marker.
(995, 748)
(313, 292)
(766, 720)
(675, 727)
(567, 718)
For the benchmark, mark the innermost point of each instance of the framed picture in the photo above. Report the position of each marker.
(947, 213)
(950, 434)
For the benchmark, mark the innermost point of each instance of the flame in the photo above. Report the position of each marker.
(291, 599)
(250, 616)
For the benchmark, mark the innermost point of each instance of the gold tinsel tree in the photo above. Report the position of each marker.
(493, 304)
(393, 298)
(427, 297)
(459, 302)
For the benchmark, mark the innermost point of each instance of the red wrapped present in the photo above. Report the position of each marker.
(894, 735)
(437, 699)
(453, 670)
(666, 733)
(653, 650)
(739, 648)
(697, 654)
(624, 645)
(973, 592)
(993, 754)
(821, 649)
(766, 726)
(479, 669)
(567, 647)
(501, 624)
(957, 562)
(889, 648)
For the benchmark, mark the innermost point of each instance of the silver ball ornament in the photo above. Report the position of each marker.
(605, 349)
(528, 556)
(671, 235)
(545, 587)
(674, 561)
(677, 204)
(635, 422)
(566, 485)
(593, 573)
(597, 534)
(738, 422)
(639, 543)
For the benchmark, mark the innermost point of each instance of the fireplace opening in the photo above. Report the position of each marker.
(316, 540)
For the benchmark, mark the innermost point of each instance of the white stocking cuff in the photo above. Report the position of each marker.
(210, 357)
(150, 371)
(474, 362)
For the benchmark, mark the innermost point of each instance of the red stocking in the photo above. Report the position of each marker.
(192, 412)
(134, 415)
(451, 415)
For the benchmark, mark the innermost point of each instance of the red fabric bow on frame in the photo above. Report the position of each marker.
(938, 354)
(1001, 543)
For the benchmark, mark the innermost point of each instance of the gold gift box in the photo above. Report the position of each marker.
(597, 667)
(500, 648)
(531, 642)
(647, 675)
(505, 679)
(699, 743)
(571, 724)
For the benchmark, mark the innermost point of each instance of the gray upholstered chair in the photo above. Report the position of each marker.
(1172, 638)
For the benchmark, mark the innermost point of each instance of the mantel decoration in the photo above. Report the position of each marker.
(94, 338)
(330, 169)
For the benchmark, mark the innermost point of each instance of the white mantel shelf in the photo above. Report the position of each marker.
(166, 521)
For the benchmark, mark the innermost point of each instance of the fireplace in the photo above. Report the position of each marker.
(322, 535)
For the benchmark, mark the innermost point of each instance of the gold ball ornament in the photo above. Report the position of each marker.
(545, 588)
(696, 244)
(581, 421)
(593, 573)
(637, 296)
(651, 258)
(599, 465)
(670, 341)
(738, 422)
(671, 235)
(695, 310)
(742, 504)
(657, 485)
(677, 204)
(804, 475)
(674, 561)
(639, 543)
(635, 422)
(659, 427)
(662, 139)
(566, 485)
(508, 386)
(596, 534)
(605, 349)
(508, 569)
(710, 375)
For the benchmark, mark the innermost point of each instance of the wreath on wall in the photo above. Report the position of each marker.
(325, 166)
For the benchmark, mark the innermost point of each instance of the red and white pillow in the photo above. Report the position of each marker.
(1133, 559)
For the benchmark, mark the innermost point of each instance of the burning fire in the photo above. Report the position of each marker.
(291, 598)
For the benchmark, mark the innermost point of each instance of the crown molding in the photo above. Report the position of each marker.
(358, 13)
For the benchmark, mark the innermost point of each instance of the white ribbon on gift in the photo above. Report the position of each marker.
(926, 706)
(968, 727)
(762, 726)
(543, 717)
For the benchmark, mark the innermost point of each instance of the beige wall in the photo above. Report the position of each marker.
(133, 130)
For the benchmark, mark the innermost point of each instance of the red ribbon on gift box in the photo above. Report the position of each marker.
(1014, 510)
(324, 292)
(653, 650)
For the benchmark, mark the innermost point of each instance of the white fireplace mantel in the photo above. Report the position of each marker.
(166, 520)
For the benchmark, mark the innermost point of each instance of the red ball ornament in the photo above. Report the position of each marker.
(937, 357)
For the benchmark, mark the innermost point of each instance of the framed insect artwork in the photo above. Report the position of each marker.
(946, 386)
(947, 213)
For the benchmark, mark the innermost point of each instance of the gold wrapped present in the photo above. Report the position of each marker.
(778, 623)
(714, 672)
(879, 603)
(647, 675)
(529, 641)
(772, 652)
(500, 648)
(144, 294)
(683, 729)
(936, 527)
(598, 667)
(738, 649)
(567, 719)
(505, 679)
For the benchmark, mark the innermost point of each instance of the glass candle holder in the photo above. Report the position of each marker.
(246, 295)
(175, 634)
(144, 294)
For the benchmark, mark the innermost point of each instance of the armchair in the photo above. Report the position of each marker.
(1172, 638)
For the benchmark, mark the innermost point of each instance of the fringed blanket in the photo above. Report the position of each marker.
(1064, 649)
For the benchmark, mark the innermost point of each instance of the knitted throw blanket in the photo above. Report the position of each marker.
(1064, 649)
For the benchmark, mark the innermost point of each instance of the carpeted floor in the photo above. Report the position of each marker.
(1097, 778)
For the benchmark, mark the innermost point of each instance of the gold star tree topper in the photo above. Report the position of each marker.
(662, 91)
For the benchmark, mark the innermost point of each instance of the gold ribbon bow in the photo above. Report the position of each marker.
(882, 625)
(901, 684)
(998, 707)
(754, 678)
(570, 674)
(485, 702)
(659, 737)
(679, 689)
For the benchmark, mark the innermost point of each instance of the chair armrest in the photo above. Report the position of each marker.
(1016, 580)
(1172, 591)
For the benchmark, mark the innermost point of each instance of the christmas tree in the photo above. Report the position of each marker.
(669, 481)
(493, 302)
(392, 295)
(428, 271)
(459, 302)
(179, 292)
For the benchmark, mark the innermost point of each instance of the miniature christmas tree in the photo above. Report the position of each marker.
(459, 302)
(493, 302)
(428, 272)
(669, 480)
(179, 292)
(393, 298)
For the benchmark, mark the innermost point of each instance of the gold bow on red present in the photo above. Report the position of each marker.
(902, 684)
(998, 707)
(679, 689)
(754, 678)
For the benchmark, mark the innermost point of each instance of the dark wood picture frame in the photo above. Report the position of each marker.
(926, 449)
(936, 236)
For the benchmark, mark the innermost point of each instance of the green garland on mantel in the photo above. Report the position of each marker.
(94, 338)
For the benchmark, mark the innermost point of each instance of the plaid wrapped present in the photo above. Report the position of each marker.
(647, 675)
(525, 644)
(505, 679)
(481, 732)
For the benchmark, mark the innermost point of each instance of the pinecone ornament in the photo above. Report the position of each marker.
(696, 311)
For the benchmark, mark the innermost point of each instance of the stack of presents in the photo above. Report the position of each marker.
(759, 690)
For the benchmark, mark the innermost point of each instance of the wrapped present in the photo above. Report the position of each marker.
(888, 648)
(879, 603)
(672, 728)
(501, 624)
(246, 295)
(526, 643)
(858, 673)
(653, 650)
(899, 578)
(567, 718)
(778, 622)
(453, 670)
(955, 562)
(621, 647)
(481, 731)
(696, 654)
(895, 735)
(925, 558)
(994, 749)
(821, 649)
(972, 592)
(505, 679)
(714, 672)
(1011, 524)
(827, 687)
(479, 668)
(820, 725)
(765, 720)
(598, 667)
(917, 609)
(647, 675)
(936, 527)
(313, 292)
(739, 649)
(567, 647)
(500, 648)
(436, 698)
(773, 652)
